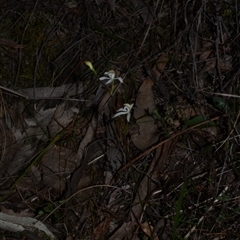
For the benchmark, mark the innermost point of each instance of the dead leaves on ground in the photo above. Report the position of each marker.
(60, 163)
(142, 113)
(60, 166)
(144, 107)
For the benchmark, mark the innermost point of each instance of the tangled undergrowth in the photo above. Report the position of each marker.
(119, 119)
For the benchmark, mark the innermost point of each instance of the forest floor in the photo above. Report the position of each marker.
(119, 119)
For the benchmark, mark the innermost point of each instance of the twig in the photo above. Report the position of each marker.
(14, 92)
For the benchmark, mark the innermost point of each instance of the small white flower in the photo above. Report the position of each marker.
(110, 76)
(125, 110)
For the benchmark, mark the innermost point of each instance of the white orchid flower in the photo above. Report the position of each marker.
(110, 76)
(125, 110)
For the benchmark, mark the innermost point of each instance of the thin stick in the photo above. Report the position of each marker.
(14, 92)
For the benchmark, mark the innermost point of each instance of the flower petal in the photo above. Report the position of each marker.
(119, 79)
(128, 116)
(103, 78)
(122, 109)
(128, 106)
(119, 114)
(109, 81)
(111, 74)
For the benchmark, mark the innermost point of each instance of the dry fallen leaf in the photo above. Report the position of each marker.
(125, 230)
(161, 64)
(205, 55)
(10, 43)
(148, 230)
(19, 224)
(101, 229)
(23, 213)
(56, 165)
(147, 127)
(63, 91)
(144, 107)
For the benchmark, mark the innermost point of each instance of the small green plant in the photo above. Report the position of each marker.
(220, 103)
(177, 218)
